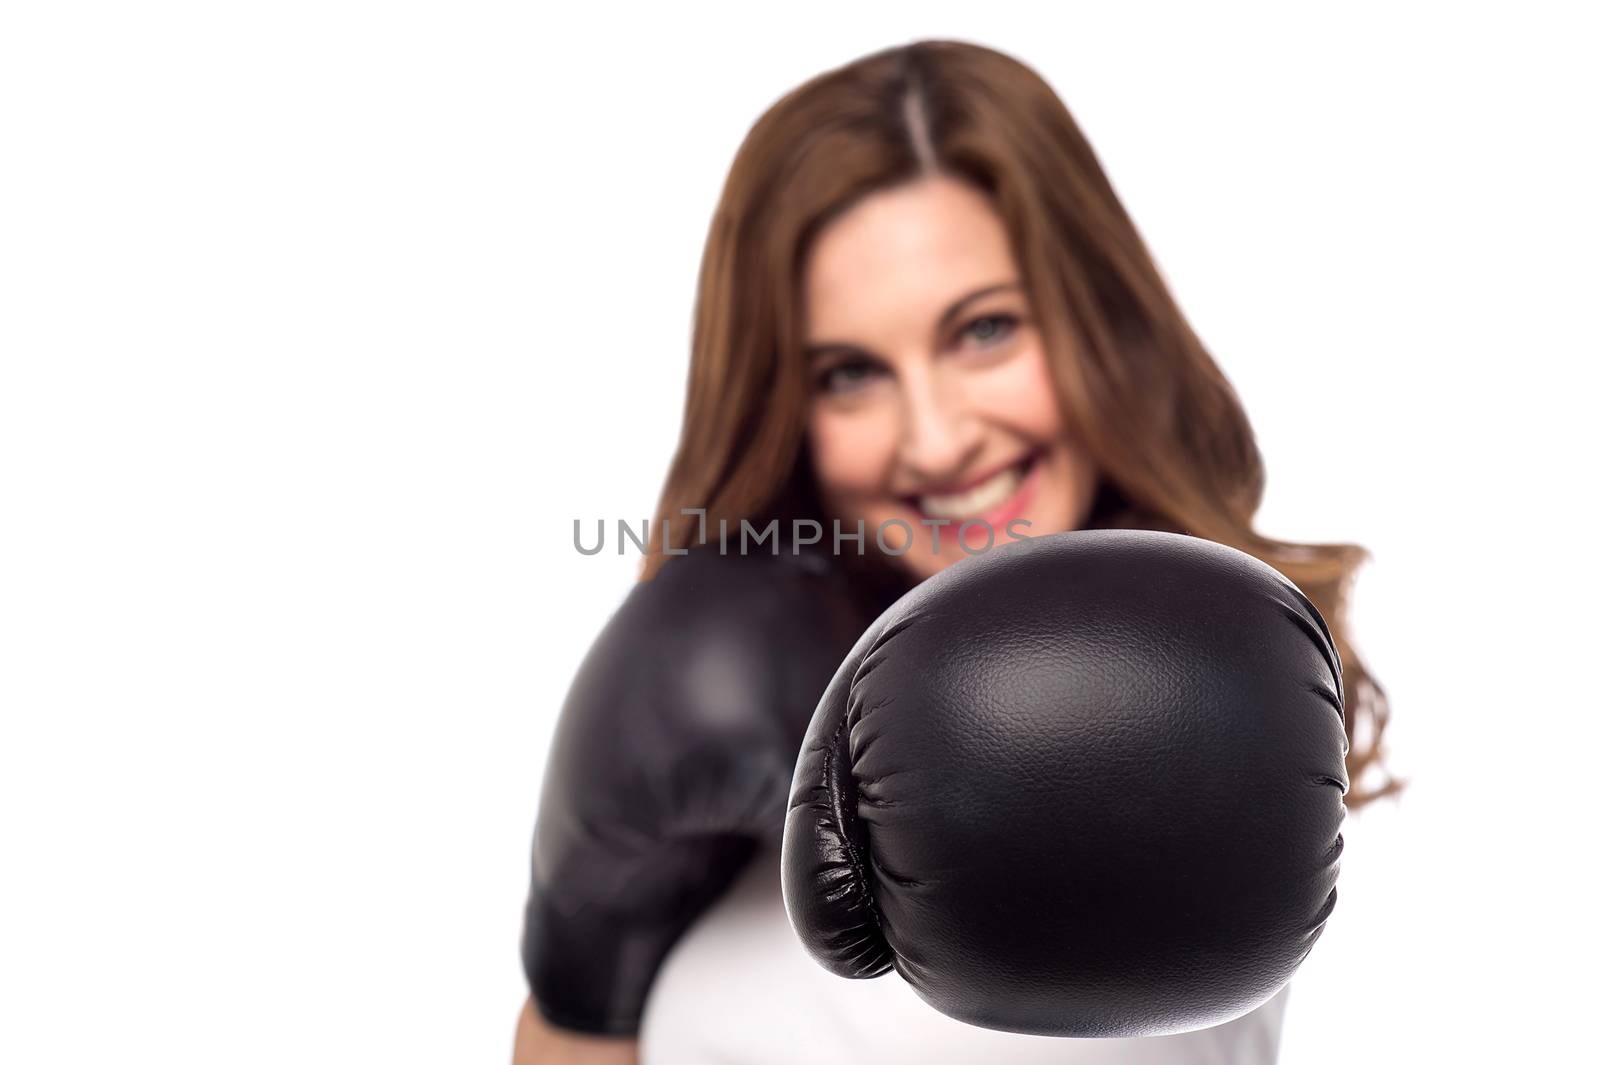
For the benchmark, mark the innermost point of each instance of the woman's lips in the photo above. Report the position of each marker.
(1000, 499)
(1007, 510)
(972, 501)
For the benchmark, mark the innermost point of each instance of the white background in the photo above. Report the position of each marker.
(320, 322)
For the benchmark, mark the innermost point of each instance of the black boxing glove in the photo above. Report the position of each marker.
(672, 760)
(1085, 785)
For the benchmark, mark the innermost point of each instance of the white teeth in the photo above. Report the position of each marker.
(974, 501)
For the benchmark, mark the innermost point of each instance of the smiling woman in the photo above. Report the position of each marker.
(938, 409)
(921, 311)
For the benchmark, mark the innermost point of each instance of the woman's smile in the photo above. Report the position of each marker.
(980, 498)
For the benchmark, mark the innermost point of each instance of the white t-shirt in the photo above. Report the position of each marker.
(739, 989)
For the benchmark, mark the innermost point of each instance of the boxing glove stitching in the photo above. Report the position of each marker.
(1323, 914)
(850, 819)
(844, 818)
(1317, 629)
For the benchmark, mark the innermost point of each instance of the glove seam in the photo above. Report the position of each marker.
(847, 820)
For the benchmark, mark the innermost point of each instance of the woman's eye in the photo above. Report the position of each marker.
(848, 376)
(990, 329)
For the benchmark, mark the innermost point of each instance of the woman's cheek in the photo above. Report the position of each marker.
(1021, 394)
(849, 457)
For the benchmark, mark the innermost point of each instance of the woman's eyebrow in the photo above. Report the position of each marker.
(950, 313)
(955, 308)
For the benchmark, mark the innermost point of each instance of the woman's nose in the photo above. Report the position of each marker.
(939, 433)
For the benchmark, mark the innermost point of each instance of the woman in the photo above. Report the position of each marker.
(921, 304)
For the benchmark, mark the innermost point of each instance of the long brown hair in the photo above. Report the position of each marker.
(1172, 443)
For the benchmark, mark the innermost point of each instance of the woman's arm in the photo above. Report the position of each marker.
(538, 1043)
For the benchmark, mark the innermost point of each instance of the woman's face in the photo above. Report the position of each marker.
(932, 400)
